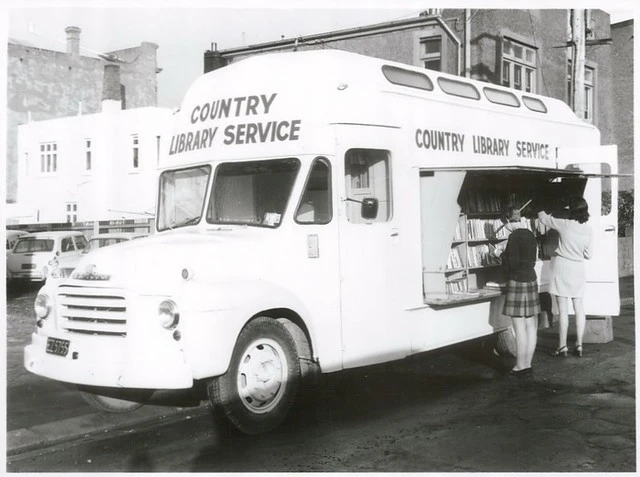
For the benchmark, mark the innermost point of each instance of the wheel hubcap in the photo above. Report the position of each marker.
(262, 376)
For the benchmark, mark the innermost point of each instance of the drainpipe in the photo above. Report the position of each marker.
(467, 43)
(455, 39)
(578, 60)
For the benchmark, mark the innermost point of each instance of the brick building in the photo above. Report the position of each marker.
(532, 50)
(44, 84)
(622, 58)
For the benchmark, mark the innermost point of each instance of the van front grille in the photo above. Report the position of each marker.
(92, 311)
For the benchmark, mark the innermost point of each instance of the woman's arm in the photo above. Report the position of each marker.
(550, 221)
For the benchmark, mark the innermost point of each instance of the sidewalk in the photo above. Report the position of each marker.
(65, 430)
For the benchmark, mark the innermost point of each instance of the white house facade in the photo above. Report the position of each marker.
(90, 167)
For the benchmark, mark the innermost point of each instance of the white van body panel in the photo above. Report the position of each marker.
(357, 286)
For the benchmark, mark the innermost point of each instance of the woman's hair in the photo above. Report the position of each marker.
(579, 210)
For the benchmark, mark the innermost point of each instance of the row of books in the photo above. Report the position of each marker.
(476, 202)
(456, 286)
(486, 229)
(481, 256)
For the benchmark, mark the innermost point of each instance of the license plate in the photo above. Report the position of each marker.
(57, 346)
(28, 266)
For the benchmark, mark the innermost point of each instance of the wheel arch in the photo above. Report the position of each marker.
(298, 330)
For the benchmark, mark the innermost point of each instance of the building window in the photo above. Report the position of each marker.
(431, 53)
(72, 212)
(518, 66)
(134, 145)
(87, 153)
(589, 88)
(48, 157)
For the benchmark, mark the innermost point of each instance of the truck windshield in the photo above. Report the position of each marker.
(252, 193)
(33, 245)
(182, 194)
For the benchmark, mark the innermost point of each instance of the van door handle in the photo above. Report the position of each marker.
(610, 228)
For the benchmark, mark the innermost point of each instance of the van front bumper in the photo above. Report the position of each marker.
(108, 362)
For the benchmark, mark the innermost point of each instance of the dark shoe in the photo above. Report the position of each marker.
(521, 373)
(561, 352)
(577, 351)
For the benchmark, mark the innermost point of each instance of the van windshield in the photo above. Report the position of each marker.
(252, 193)
(33, 245)
(182, 194)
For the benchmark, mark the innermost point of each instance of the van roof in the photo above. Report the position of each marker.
(307, 70)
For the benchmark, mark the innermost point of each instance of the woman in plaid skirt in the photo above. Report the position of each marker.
(522, 303)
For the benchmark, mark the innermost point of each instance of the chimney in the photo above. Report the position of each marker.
(73, 41)
(111, 97)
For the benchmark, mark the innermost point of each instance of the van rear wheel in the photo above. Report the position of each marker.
(113, 399)
(261, 384)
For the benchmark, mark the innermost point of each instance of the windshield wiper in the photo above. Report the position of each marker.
(192, 220)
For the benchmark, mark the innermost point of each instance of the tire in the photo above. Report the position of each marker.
(261, 384)
(115, 400)
(506, 342)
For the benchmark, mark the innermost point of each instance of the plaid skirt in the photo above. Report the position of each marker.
(522, 299)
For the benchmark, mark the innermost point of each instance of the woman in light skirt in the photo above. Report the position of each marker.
(567, 269)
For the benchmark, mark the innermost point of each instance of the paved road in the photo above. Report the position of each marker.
(437, 413)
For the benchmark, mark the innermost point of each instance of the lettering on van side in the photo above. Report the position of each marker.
(439, 140)
(239, 106)
(252, 133)
(192, 141)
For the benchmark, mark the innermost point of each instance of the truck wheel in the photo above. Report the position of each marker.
(506, 342)
(114, 399)
(262, 381)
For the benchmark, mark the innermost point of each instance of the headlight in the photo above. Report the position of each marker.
(168, 314)
(42, 305)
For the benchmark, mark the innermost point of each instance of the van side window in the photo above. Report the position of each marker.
(367, 175)
(315, 206)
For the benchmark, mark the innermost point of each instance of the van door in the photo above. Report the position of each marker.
(602, 295)
(372, 325)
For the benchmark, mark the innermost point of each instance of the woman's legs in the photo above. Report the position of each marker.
(581, 319)
(563, 317)
(531, 324)
(526, 340)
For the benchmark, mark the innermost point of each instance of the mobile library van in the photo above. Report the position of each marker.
(319, 211)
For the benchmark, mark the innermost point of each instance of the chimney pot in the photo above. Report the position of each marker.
(73, 40)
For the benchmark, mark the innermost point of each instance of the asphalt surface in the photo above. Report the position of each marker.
(71, 419)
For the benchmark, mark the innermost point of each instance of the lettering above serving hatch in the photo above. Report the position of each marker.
(482, 145)
(235, 133)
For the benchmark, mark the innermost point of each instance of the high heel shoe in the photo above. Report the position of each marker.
(577, 351)
(561, 352)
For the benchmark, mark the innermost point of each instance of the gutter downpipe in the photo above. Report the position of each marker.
(455, 39)
(467, 43)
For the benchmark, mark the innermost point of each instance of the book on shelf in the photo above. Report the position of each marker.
(454, 260)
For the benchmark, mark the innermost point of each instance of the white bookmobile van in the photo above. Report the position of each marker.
(319, 211)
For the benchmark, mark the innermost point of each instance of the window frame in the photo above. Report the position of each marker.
(71, 209)
(135, 152)
(517, 71)
(48, 158)
(369, 190)
(304, 190)
(88, 155)
(426, 57)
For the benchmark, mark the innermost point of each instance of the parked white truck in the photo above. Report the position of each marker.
(319, 211)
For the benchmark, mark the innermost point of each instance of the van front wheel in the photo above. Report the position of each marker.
(262, 381)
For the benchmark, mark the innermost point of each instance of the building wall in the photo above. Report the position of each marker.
(113, 188)
(44, 84)
(622, 60)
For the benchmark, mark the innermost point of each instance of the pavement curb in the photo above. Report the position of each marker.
(53, 433)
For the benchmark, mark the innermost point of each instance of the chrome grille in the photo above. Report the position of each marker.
(92, 311)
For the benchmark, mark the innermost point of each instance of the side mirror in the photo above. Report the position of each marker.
(369, 208)
(58, 253)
